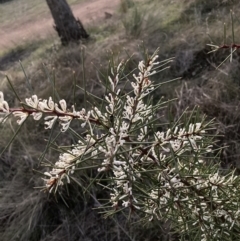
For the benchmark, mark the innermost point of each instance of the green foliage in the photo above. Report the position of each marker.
(125, 5)
(133, 22)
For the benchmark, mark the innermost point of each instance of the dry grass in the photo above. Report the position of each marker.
(219, 98)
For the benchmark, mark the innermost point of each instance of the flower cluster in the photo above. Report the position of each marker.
(169, 174)
(203, 199)
(66, 164)
(37, 108)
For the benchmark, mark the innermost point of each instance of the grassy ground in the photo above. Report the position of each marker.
(181, 29)
(16, 12)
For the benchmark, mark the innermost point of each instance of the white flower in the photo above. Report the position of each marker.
(65, 122)
(32, 102)
(21, 115)
(126, 204)
(67, 158)
(3, 104)
(141, 66)
(63, 106)
(37, 115)
(49, 121)
(46, 105)
(61, 170)
(47, 174)
(198, 126)
(84, 116)
(176, 145)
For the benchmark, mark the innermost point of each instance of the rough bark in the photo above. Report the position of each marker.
(67, 26)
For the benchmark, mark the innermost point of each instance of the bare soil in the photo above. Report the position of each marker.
(41, 27)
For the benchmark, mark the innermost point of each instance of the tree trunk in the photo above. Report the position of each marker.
(67, 26)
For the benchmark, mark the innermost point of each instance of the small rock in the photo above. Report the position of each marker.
(108, 15)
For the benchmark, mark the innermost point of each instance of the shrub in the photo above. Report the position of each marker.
(153, 171)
